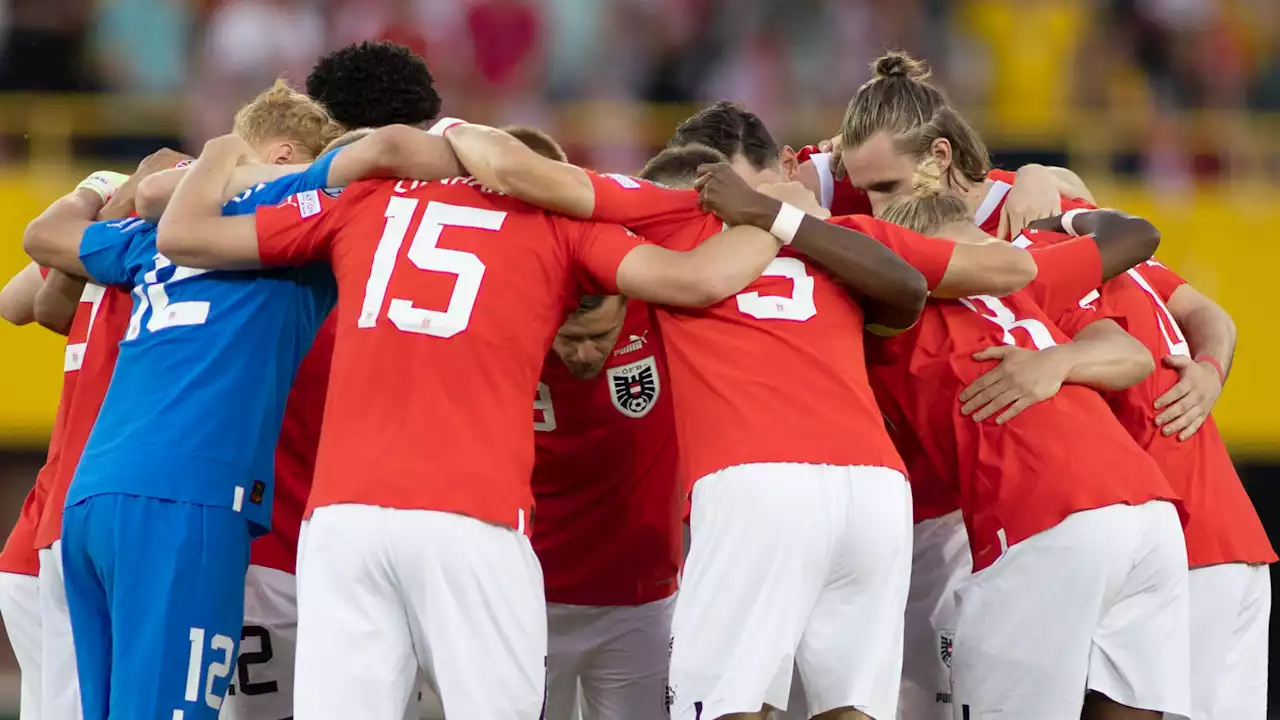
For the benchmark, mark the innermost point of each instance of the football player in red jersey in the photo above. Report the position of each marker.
(608, 503)
(1078, 553)
(807, 321)
(403, 561)
(1227, 548)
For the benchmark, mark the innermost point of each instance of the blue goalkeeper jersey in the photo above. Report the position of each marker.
(198, 395)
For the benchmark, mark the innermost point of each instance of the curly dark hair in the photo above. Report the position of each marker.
(373, 84)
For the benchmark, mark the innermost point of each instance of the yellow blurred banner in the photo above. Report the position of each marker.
(1223, 241)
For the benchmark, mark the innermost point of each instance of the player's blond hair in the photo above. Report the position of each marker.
(899, 100)
(929, 208)
(282, 113)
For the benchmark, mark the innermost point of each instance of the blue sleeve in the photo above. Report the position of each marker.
(104, 250)
(316, 177)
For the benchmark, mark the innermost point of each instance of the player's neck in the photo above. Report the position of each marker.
(974, 193)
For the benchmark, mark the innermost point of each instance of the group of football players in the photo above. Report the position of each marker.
(309, 352)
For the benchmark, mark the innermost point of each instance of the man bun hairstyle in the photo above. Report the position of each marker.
(375, 84)
(900, 100)
(730, 128)
(677, 167)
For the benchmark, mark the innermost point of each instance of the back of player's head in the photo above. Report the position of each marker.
(374, 84)
(929, 208)
(283, 114)
(537, 141)
(900, 100)
(347, 138)
(731, 129)
(677, 167)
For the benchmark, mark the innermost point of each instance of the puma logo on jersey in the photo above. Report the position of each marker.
(1086, 302)
(634, 342)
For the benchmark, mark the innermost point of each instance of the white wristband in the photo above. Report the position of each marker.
(104, 183)
(443, 124)
(786, 223)
(1068, 220)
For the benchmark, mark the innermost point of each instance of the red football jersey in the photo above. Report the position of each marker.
(296, 455)
(92, 346)
(1222, 524)
(1060, 456)
(776, 373)
(609, 500)
(439, 340)
(987, 216)
(838, 196)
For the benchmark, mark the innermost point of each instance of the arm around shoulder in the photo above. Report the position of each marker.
(57, 301)
(718, 268)
(991, 268)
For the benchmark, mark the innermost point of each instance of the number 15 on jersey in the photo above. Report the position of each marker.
(425, 255)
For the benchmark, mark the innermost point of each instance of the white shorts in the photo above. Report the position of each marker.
(60, 684)
(383, 593)
(940, 562)
(793, 564)
(263, 685)
(20, 608)
(1098, 602)
(1230, 620)
(618, 656)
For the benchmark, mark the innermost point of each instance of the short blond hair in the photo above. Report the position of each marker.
(929, 208)
(282, 113)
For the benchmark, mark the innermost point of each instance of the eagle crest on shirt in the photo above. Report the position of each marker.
(634, 387)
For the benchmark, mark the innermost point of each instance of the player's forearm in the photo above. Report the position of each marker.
(18, 297)
(1207, 325)
(1104, 357)
(57, 301)
(190, 226)
(53, 238)
(993, 268)
(1123, 240)
(156, 190)
(501, 162)
(395, 151)
(1071, 185)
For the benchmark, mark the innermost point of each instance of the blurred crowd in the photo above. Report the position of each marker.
(1029, 66)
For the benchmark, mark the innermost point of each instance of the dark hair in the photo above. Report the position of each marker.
(374, 84)
(678, 166)
(537, 141)
(901, 101)
(733, 130)
(587, 303)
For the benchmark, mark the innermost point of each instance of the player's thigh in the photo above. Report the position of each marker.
(572, 637)
(940, 562)
(355, 656)
(20, 608)
(850, 655)
(476, 609)
(626, 677)
(89, 527)
(759, 557)
(177, 605)
(1141, 648)
(60, 685)
(263, 685)
(1245, 693)
(1024, 625)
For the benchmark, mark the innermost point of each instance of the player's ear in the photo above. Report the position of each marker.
(789, 162)
(940, 151)
(282, 153)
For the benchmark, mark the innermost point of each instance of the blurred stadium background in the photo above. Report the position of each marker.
(1169, 108)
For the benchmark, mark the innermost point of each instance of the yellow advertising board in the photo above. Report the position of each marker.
(1223, 241)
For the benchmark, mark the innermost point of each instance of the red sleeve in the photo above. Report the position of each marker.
(1161, 279)
(1066, 272)
(298, 230)
(598, 250)
(929, 255)
(642, 206)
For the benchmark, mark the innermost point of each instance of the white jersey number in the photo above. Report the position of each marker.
(217, 669)
(1000, 314)
(799, 307)
(73, 356)
(542, 404)
(154, 295)
(1173, 338)
(426, 256)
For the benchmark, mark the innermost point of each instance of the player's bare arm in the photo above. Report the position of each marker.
(721, 266)
(57, 300)
(1072, 185)
(155, 192)
(870, 270)
(18, 297)
(53, 238)
(395, 151)
(1123, 240)
(192, 231)
(1102, 356)
(986, 267)
(1034, 195)
(501, 162)
(1211, 334)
